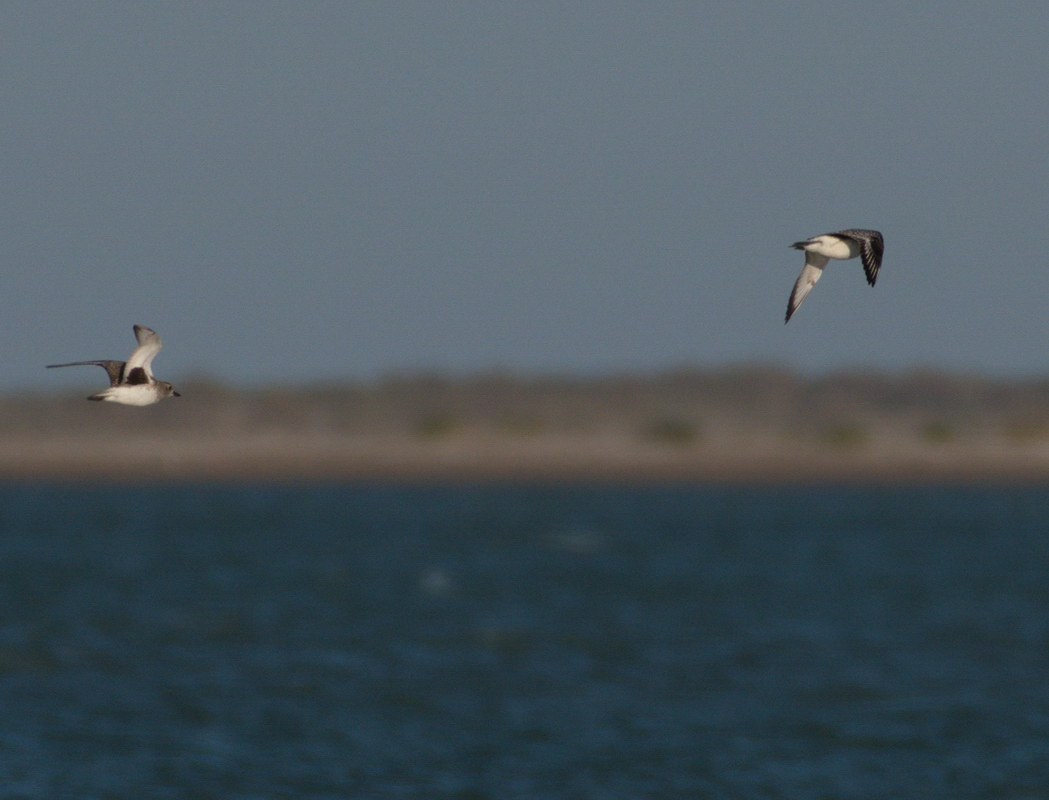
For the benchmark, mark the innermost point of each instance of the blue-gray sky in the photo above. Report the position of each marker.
(308, 191)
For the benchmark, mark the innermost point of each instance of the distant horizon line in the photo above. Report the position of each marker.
(755, 368)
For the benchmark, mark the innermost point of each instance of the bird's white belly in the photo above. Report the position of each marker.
(833, 247)
(142, 395)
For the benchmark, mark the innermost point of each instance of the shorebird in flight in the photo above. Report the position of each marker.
(131, 382)
(868, 245)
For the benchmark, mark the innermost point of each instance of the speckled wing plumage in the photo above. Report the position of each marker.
(114, 369)
(871, 248)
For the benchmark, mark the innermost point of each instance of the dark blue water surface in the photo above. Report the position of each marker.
(527, 642)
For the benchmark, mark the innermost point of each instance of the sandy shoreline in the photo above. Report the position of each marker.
(488, 458)
(740, 425)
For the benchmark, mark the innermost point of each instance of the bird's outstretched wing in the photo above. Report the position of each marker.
(871, 245)
(810, 273)
(114, 369)
(143, 355)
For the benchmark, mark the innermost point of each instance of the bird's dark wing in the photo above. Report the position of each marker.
(871, 247)
(114, 369)
(870, 254)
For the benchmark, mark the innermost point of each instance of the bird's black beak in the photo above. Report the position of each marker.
(176, 394)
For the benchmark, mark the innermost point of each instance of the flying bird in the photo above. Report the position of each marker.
(131, 382)
(866, 244)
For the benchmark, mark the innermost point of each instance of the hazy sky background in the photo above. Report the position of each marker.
(308, 191)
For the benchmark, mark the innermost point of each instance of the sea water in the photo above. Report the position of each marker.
(523, 642)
